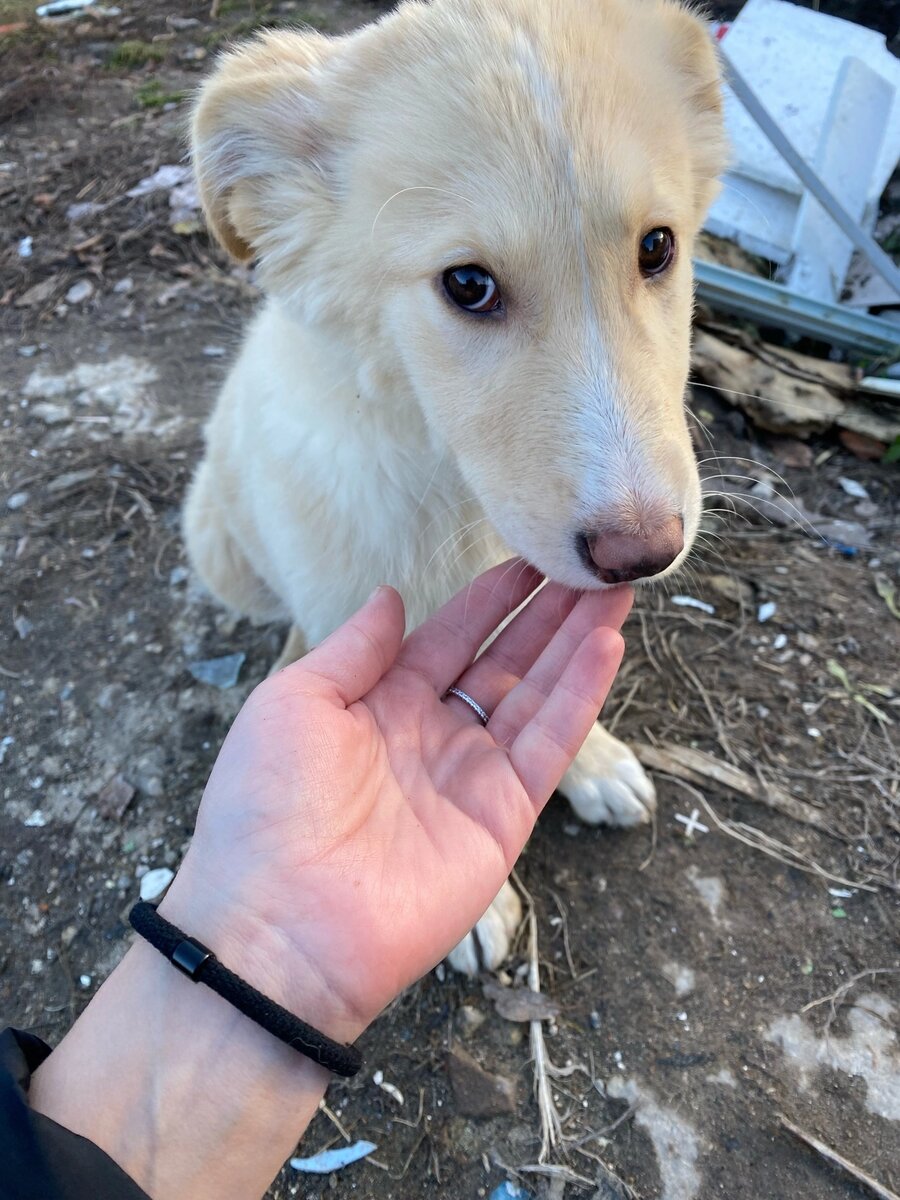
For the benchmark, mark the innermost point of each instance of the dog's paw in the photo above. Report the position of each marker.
(606, 785)
(488, 944)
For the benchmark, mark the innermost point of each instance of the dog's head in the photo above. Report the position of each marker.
(499, 198)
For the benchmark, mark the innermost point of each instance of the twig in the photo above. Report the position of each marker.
(838, 1160)
(837, 996)
(551, 1125)
(697, 767)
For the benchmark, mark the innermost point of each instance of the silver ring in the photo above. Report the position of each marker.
(473, 704)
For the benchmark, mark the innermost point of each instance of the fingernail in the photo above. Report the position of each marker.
(380, 588)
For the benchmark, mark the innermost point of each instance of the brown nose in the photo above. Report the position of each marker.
(617, 556)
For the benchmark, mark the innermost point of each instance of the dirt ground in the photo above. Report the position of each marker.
(683, 965)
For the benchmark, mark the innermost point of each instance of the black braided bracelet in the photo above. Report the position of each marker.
(200, 965)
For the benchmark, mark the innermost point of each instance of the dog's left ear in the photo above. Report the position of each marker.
(260, 145)
(697, 62)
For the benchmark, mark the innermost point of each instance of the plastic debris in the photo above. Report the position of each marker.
(26, 245)
(79, 292)
(37, 820)
(84, 208)
(692, 824)
(22, 626)
(394, 1092)
(218, 672)
(520, 1003)
(841, 893)
(333, 1160)
(17, 500)
(61, 8)
(852, 488)
(780, 641)
(84, 980)
(5, 743)
(167, 177)
(508, 1190)
(155, 882)
(693, 602)
(766, 611)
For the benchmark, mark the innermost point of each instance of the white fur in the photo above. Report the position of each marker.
(369, 431)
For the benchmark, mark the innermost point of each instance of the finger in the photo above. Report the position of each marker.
(593, 610)
(517, 646)
(446, 643)
(359, 652)
(546, 746)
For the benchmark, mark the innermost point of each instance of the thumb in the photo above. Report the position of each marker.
(362, 650)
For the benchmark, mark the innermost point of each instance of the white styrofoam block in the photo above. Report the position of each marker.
(792, 59)
(847, 157)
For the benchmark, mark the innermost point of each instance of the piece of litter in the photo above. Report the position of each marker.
(80, 291)
(779, 642)
(22, 626)
(766, 611)
(841, 893)
(333, 1160)
(26, 245)
(18, 500)
(394, 1092)
(852, 488)
(218, 672)
(123, 286)
(693, 602)
(155, 882)
(5, 743)
(168, 176)
(692, 824)
(813, 732)
(84, 980)
(840, 913)
(178, 575)
(86, 208)
(214, 351)
(37, 820)
(507, 1190)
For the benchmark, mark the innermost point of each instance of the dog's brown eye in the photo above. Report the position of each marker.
(472, 288)
(656, 251)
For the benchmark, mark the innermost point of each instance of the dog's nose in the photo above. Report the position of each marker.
(620, 556)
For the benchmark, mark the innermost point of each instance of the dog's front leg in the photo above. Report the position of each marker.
(606, 785)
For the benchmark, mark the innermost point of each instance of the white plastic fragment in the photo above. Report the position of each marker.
(780, 641)
(80, 291)
(692, 824)
(155, 882)
(852, 488)
(218, 672)
(168, 176)
(394, 1092)
(37, 820)
(333, 1160)
(841, 893)
(84, 980)
(766, 611)
(18, 500)
(26, 245)
(693, 602)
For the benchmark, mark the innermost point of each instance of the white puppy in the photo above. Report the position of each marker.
(474, 223)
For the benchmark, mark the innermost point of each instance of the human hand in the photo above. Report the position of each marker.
(356, 824)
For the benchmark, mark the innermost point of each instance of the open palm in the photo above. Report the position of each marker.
(358, 822)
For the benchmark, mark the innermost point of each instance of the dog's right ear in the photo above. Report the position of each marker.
(259, 144)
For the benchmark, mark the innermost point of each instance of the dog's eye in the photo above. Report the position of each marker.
(472, 288)
(656, 251)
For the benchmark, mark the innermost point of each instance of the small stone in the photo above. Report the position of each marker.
(18, 500)
(594, 1019)
(218, 672)
(85, 980)
(178, 575)
(27, 351)
(155, 882)
(115, 797)
(478, 1093)
(123, 286)
(79, 292)
(468, 1020)
(51, 414)
(766, 612)
(37, 820)
(22, 626)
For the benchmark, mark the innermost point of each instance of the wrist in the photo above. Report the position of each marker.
(255, 946)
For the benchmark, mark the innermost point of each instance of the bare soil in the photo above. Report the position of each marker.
(681, 963)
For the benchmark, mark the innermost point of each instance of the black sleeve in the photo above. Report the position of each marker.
(40, 1160)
